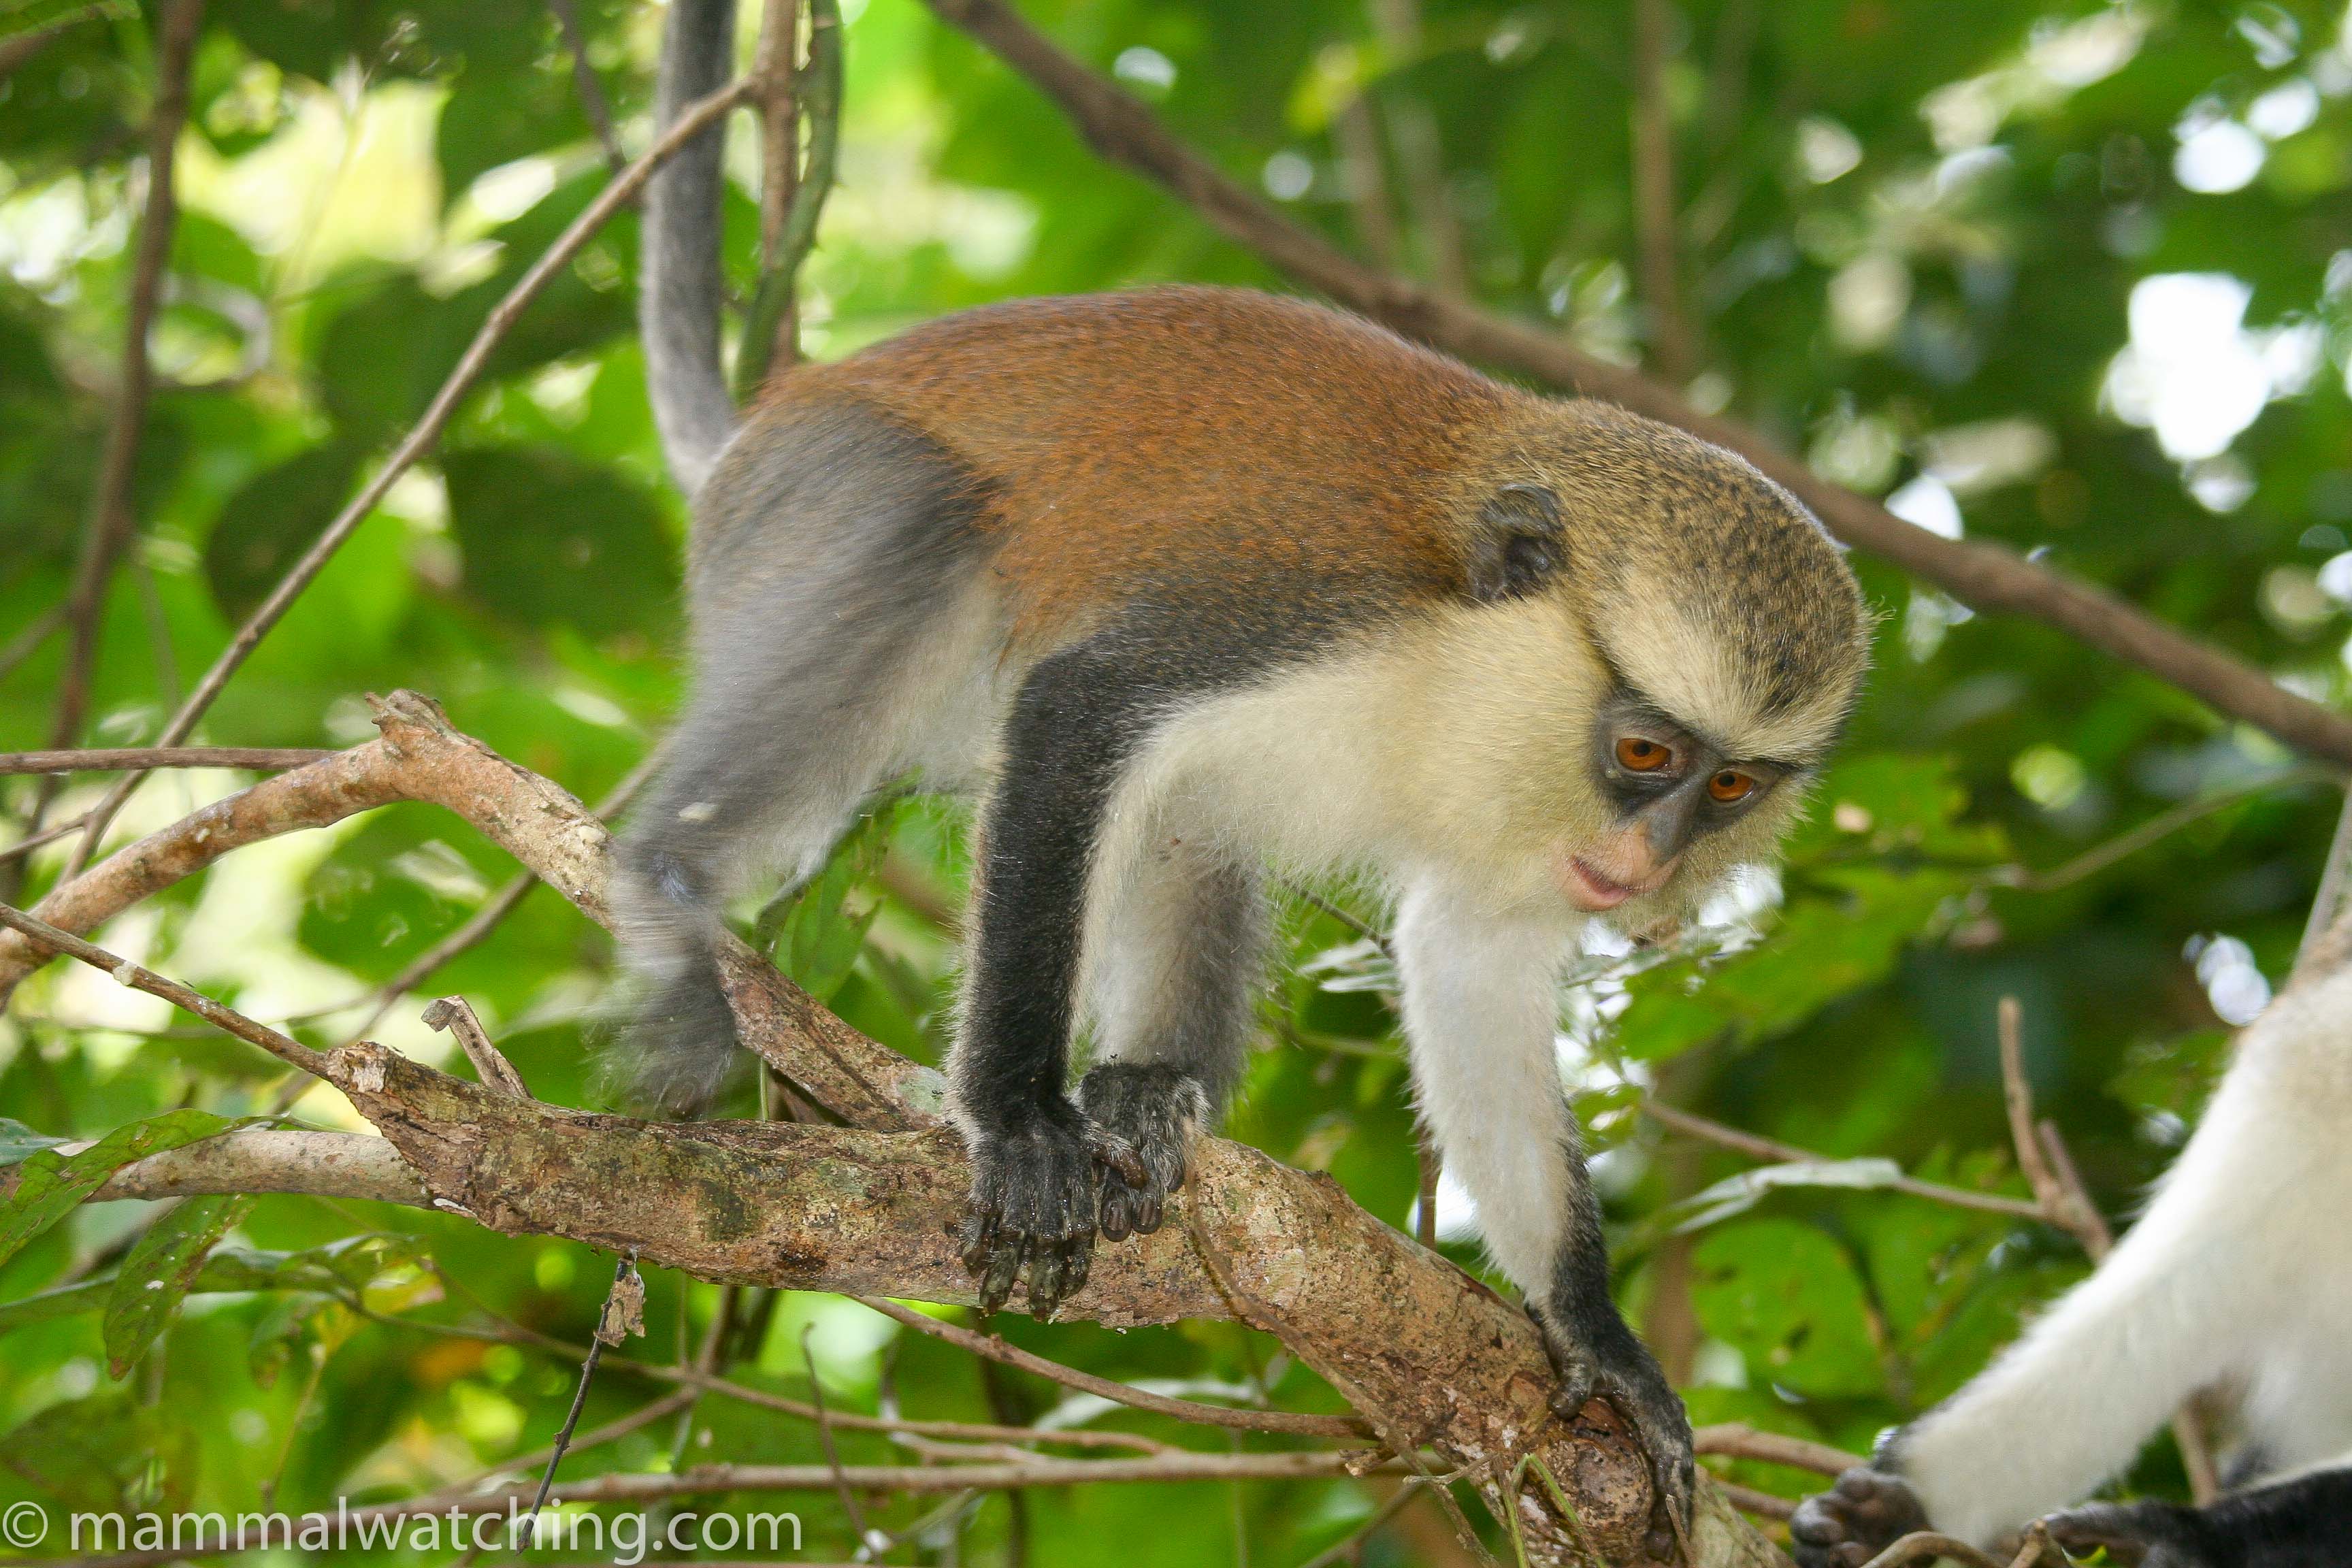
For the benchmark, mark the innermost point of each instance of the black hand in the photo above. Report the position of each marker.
(1867, 1512)
(2150, 1534)
(1033, 1199)
(1602, 1359)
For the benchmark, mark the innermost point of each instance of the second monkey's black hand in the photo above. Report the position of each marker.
(1867, 1512)
(1034, 1198)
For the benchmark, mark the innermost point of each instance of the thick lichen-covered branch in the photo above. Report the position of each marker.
(1428, 1356)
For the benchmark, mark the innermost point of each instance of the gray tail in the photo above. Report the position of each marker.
(676, 1047)
(680, 289)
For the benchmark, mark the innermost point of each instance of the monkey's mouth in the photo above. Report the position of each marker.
(1593, 891)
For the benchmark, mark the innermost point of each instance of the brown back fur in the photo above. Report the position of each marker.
(1195, 442)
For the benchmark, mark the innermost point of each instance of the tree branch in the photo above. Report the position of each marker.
(116, 759)
(26, 643)
(621, 191)
(111, 517)
(1987, 576)
(1428, 1354)
(44, 937)
(770, 333)
(1671, 354)
(585, 83)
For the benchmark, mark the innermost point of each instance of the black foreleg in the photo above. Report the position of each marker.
(1036, 1158)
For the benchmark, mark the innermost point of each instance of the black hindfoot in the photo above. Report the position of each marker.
(1155, 1109)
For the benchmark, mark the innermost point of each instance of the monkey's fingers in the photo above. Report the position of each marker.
(1060, 1271)
(976, 1239)
(1002, 1267)
(1579, 1380)
(1149, 1211)
(1049, 1259)
(1121, 1206)
(1116, 1153)
(2127, 1530)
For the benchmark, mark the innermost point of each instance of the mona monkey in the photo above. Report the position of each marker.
(2238, 1276)
(1181, 583)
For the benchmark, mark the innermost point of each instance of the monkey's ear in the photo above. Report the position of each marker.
(1517, 543)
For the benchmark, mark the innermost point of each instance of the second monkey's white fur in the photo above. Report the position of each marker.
(2239, 1273)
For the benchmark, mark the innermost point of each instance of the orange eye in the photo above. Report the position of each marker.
(1635, 754)
(1728, 786)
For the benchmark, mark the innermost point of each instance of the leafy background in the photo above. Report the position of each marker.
(1919, 241)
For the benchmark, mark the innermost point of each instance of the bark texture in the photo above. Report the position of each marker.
(1427, 1355)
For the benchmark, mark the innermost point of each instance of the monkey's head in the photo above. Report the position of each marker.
(1696, 643)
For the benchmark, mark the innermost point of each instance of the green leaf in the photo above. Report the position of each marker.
(50, 1184)
(271, 520)
(18, 1141)
(99, 1454)
(1784, 1295)
(35, 16)
(155, 1277)
(1735, 1195)
(549, 539)
(821, 933)
(383, 1272)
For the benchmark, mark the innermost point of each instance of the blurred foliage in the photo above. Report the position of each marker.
(1912, 236)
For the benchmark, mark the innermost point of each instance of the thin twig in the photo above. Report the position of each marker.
(120, 759)
(621, 1272)
(23, 846)
(1672, 355)
(595, 1437)
(1345, 1546)
(110, 516)
(1926, 1545)
(1313, 900)
(1297, 1423)
(818, 92)
(855, 1515)
(1737, 1440)
(456, 1015)
(285, 1048)
(269, 1484)
(1763, 1504)
(599, 113)
(2017, 1096)
(2163, 824)
(507, 1331)
(1776, 1152)
(697, 118)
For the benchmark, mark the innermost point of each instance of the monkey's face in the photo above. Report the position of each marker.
(1664, 787)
